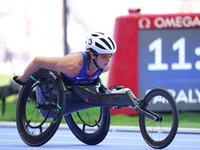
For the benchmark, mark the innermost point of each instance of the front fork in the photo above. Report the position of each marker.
(137, 106)
(149, 114)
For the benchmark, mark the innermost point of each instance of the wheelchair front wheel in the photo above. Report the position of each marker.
(159, 134)
(36, 128)
(90, 125)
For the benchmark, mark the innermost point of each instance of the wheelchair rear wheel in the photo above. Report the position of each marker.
(36, 128)
(90, 125)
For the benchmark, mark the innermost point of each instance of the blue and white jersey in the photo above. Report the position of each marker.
(82, 76)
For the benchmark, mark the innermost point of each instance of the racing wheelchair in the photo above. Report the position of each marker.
(86, 110)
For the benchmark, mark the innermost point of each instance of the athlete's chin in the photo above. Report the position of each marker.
(104, 65)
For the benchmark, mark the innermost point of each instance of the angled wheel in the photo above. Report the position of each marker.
(37, 121)
(90, 125)
(159, 134)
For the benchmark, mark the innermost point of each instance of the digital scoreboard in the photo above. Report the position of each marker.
(159, 51)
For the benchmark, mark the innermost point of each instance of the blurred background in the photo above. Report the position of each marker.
(30, 28)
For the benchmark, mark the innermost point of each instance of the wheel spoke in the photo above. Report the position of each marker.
(97, 123)
(84, 125)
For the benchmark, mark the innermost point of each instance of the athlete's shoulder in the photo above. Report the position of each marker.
(73, 57)
(71, 64)
(76, 54)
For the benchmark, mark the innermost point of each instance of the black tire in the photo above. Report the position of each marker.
(159, 134)
(35, 129)
(90, 125)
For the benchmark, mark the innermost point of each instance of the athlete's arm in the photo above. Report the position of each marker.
(69, 65)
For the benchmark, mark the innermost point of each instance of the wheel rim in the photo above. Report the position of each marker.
(159, 131)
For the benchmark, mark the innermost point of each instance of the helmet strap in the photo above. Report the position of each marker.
(95, 63)
(99, 68)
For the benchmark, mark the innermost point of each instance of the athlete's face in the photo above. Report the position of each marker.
(103, 61)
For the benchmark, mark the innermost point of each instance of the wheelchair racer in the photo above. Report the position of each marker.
(79, 68)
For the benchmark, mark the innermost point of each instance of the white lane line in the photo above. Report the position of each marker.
(140, 138)
(103, 143)
(113, 137)
(10, 140)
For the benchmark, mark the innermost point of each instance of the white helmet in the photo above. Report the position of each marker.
(100, 43)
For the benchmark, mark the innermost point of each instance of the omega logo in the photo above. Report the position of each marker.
(144, 23)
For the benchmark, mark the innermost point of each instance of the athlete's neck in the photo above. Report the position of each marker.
(92, 68)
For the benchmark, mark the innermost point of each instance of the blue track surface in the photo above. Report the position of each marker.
(65, 140)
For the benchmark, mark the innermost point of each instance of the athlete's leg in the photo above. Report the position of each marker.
(43, 97)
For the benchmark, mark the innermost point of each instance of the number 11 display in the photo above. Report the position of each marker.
(170, 58)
